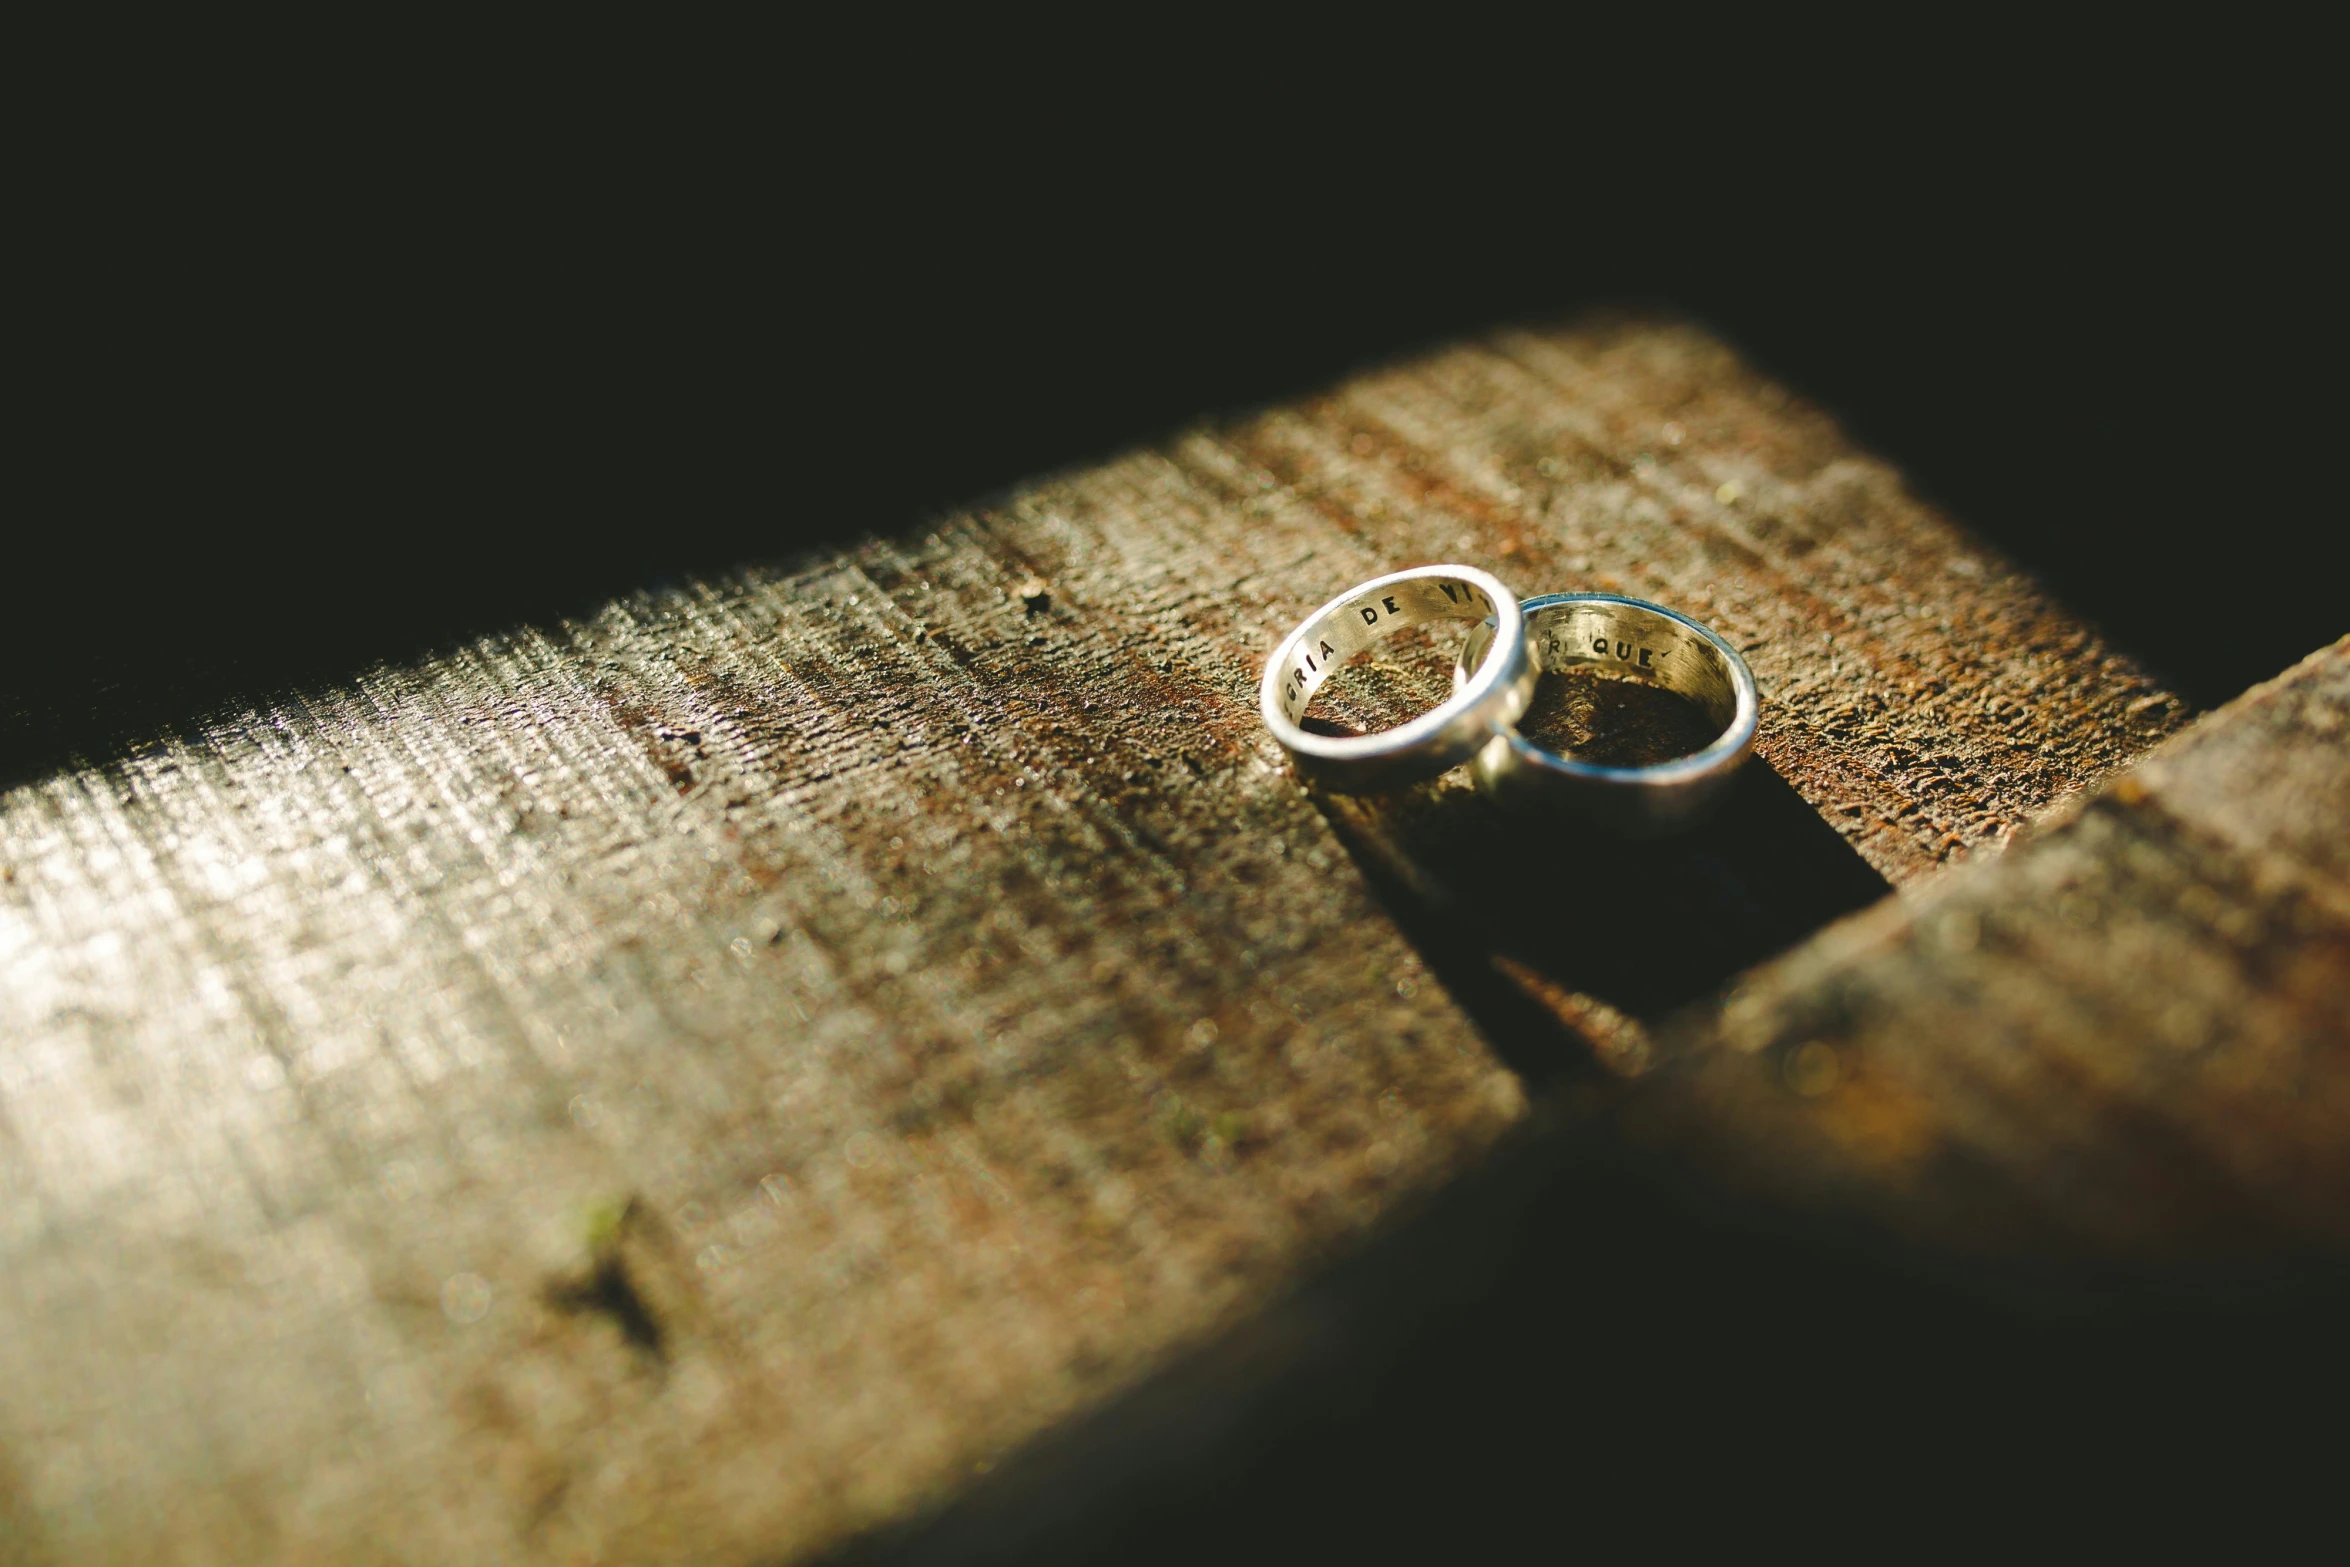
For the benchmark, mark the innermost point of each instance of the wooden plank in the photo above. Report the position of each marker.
(696, 1083)
(2043, 1160)
(2127, 1042)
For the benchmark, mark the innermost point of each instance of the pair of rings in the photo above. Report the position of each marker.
(1510, 645)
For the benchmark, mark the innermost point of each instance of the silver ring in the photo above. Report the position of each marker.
(1638, 640)
(1488, 693)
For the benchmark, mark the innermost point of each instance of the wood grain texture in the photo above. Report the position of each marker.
(692, 1084)
(2126, 1042)
(1919, 691)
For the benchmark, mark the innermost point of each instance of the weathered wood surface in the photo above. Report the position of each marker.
(2125, 1042)
(692, 1084)
(2045, 1161)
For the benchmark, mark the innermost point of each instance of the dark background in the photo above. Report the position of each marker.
(352, 351)
(336, 363)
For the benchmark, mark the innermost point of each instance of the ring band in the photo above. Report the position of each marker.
(1488, 693)
(1638, 640)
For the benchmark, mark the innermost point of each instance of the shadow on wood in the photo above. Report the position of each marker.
(1536, 921)
(1577, 1343)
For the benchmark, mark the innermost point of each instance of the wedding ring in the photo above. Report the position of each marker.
(1633, 639)
(1488, 692)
